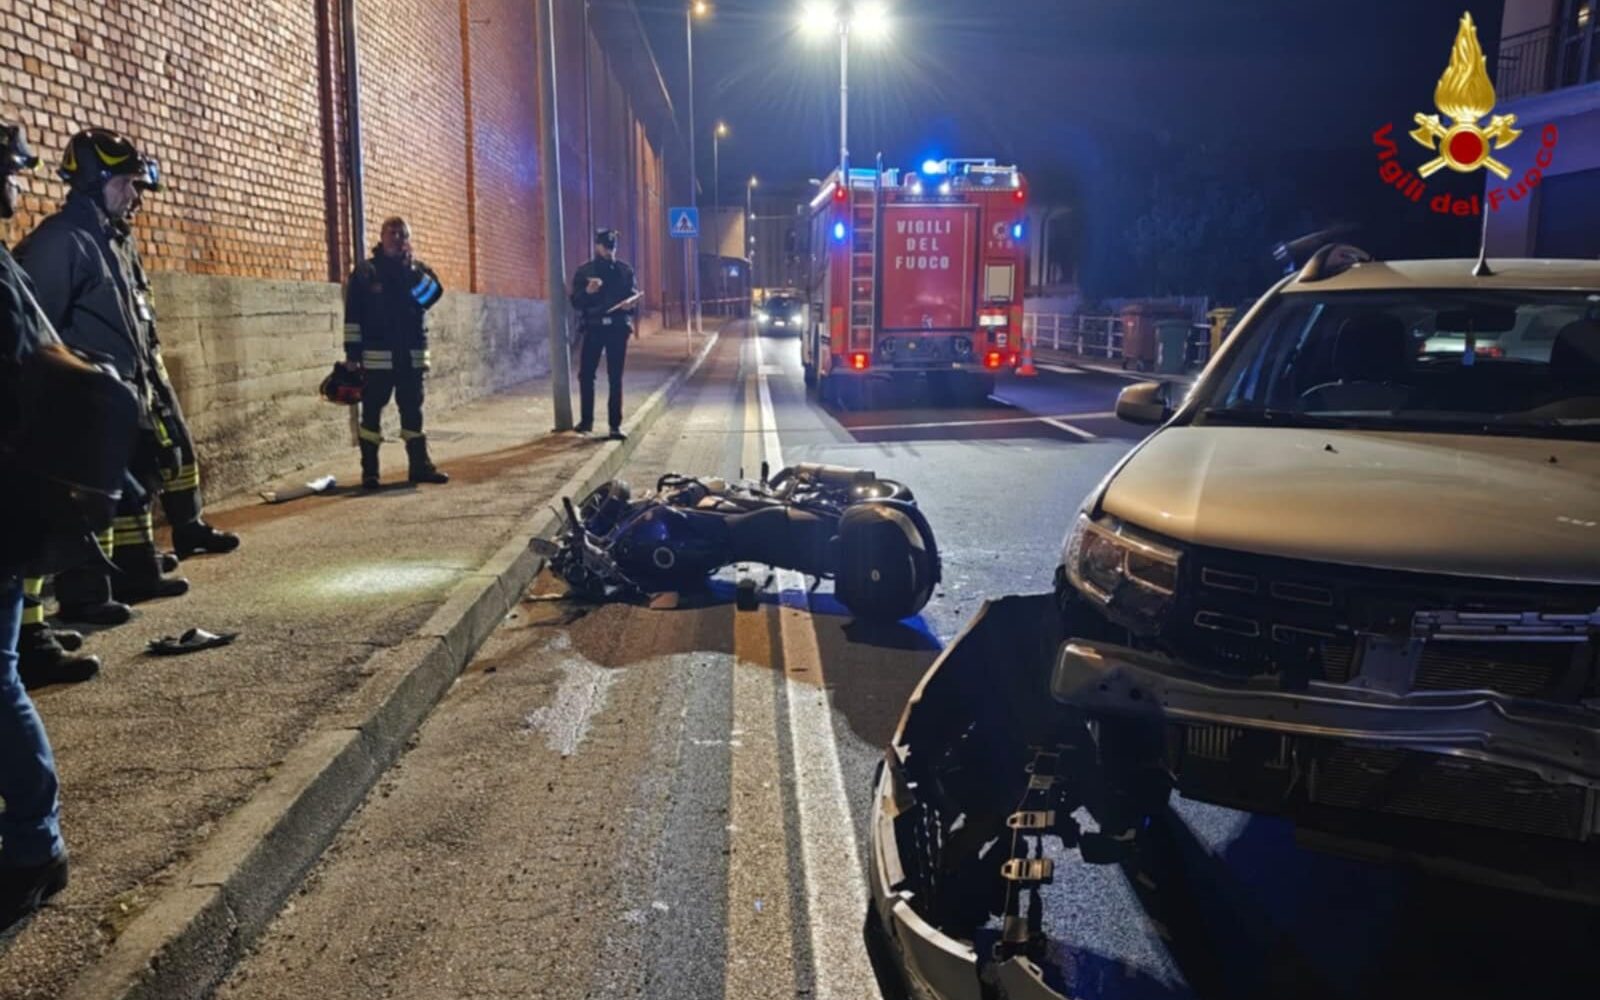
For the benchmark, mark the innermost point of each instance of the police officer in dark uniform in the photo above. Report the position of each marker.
(386, 336)
(604, 293)
(85, 266)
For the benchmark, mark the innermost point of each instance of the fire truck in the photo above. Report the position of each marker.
(915, 275)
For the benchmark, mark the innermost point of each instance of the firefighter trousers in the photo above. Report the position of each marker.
(613, 343)
(130, 545)
(404, 385)
(180, 484)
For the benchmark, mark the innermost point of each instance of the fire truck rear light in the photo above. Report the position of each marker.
(838, 231)
(859, 361)
(1018, 194)
(840, 194)
(992, 360)
(1014, 358)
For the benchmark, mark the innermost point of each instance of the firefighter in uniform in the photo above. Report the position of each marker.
(44, 655)
(92, 287)
(604, 294)
(386, 337)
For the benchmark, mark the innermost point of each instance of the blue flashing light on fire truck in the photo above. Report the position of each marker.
(916, 275)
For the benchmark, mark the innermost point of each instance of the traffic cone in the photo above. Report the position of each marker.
(1026, 369)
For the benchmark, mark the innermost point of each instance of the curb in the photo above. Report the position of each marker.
(193, 934)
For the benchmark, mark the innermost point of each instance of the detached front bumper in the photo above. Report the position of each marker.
(1560, 744)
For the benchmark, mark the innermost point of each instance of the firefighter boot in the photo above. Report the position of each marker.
(42, 661)
(422, 468)
(198, 537)
(369, 465)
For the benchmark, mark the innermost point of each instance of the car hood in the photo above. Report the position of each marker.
(1481, 506)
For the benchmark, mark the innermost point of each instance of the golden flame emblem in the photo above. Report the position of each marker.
(1465, 95)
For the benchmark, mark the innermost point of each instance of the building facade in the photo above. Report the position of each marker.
(247, 106)
(1549, 76)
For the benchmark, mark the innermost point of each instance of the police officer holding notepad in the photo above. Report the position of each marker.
(605, 295)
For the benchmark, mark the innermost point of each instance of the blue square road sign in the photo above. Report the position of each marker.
(683, 223)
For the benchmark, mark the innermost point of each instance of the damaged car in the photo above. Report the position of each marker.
(1352, 580)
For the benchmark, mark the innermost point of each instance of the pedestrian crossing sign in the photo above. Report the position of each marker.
(683, 223)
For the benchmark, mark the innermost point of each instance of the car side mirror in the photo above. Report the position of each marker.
(1144, 403)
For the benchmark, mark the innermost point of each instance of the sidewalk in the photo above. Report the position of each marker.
(341, 602)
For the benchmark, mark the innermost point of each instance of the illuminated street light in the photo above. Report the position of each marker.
(870, 18)
(699, 8)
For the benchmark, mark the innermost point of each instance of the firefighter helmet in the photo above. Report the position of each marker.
(16, 156)
(343, 385)
(95, 155)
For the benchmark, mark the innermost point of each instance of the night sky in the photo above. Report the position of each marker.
(1081, 93)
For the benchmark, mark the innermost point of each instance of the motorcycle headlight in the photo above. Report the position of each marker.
(1132, 577)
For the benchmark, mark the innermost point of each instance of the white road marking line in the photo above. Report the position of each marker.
(1000, 421)
(836, 889)
(1078, 431)
(759, 960)
(1059, 369)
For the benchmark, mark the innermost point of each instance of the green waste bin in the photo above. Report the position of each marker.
(1172, 346)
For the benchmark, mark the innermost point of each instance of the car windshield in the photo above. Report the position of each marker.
(780, 305)
(1489, 362)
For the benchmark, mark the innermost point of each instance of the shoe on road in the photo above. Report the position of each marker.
(41, 660)
(24, 890)
(138, 589)
(168, 561)
(429, 474)
(583, 429)
(198, 537)
(105, 613)
(616, 435)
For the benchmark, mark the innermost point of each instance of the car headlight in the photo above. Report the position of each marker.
(1132, 577)
(762, 317)
(795, 318)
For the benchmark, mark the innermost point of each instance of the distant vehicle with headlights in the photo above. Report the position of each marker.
(1352, 579)
(916, 275)
(782, 311)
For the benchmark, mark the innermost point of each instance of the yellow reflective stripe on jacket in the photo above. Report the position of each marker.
(378, 360)
(185, 477)
(32, 601)
(422, 359)
(352, 333)
(375, 437)
(162, 436)
(406, 435)
(106, 540)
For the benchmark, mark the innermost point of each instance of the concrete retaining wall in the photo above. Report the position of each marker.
(247, 356)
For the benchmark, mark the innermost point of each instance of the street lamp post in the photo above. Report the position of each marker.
(867, 17)
(699, 8)
(750, 237)
(717, 135)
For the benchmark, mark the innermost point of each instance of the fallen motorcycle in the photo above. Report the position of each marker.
(827, 522)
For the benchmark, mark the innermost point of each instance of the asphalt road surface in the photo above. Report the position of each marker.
(671, 802)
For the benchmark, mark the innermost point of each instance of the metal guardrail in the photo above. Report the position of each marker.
(1090, 336)
(1100, 338)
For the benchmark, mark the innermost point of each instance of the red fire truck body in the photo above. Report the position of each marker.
(916, 275)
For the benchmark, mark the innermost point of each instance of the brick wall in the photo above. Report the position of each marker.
(243, 104)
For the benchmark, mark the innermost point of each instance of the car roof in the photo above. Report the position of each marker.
(1522, 273)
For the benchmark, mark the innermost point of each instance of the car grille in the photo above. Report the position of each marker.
(1253, 615)
(1447, 789)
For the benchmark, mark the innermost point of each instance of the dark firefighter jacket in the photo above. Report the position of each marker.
(91, 287)
(617, 284)
(386, 305)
